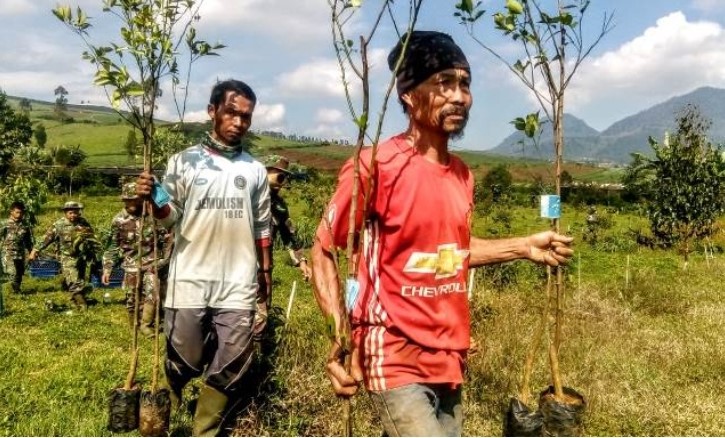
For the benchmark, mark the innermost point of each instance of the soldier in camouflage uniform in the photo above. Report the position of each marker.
(277, 174)
(69, 234)
(123, 246)
(17, 241)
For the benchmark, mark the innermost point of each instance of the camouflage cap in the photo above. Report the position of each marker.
(128, 191)
(72, 205)
(276, 162)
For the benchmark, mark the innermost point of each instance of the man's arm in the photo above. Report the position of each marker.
(173, 184)
(262, 217)
(264, 276)
(547, 247)
(288, 234)
(144, 188)
(326, 288)
(50, 236)
(111, 254)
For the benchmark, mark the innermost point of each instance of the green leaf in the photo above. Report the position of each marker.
(519, 123)
(532, 124)
(362, 121)
(63, 13)
(521, 67)
(116, 99)
(514, 7)
(465, 6)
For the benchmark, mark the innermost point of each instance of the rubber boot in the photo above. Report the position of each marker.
(210, 410)
(148, 314)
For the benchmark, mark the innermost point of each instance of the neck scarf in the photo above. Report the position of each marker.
(225, 150)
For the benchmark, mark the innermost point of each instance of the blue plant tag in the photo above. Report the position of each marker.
(159, 195)
(550, 206)
(352, 289)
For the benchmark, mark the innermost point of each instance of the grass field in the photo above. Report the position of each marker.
(643, 341)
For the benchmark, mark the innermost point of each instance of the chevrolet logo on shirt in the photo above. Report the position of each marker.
(444, 263)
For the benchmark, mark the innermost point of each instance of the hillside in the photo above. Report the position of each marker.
(101, 133)
(626, 136)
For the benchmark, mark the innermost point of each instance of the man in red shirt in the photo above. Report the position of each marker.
(410, 316)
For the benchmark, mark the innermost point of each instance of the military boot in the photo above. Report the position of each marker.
(148, 315)
(210, 410)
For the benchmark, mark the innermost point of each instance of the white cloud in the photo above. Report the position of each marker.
(269, 117)
(319, 77)
(708, 5)
(34, 52)
(292, 22)
(328, 115)
(16, 7)
(671, 58)
(322, 77)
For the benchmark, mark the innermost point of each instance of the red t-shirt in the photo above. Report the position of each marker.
(411, 318)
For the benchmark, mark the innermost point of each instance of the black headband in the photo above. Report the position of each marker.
(428, 53)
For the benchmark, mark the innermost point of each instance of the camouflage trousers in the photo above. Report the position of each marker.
(74, 274)
(14, 270)
(146, 292)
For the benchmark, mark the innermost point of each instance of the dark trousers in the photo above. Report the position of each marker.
(214, 342)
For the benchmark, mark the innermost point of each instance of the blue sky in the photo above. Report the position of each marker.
(658, 49)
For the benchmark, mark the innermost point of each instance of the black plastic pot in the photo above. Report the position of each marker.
(520, 420)
(562, 417)
(123, 409)
(154, 413)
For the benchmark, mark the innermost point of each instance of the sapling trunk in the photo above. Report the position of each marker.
(535, 342)
(145, 208)
(157, 313)
(131, 377)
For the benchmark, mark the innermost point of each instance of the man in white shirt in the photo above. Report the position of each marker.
(220, 270)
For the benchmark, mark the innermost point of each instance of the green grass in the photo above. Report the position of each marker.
(643, 341)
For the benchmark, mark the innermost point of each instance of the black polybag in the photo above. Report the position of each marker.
(562, 418)
(123, 409)
(520, 420)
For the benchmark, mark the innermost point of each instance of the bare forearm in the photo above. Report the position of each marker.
(264, 277)
(490, 251)
(325, 280)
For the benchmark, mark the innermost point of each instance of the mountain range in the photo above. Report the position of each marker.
(624, 137)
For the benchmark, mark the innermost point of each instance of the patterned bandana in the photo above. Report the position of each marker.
(225, 150)
(428, 53)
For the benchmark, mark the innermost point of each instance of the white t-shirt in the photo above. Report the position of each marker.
(219, 207)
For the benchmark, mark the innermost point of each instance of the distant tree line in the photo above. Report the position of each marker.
(304, 138)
